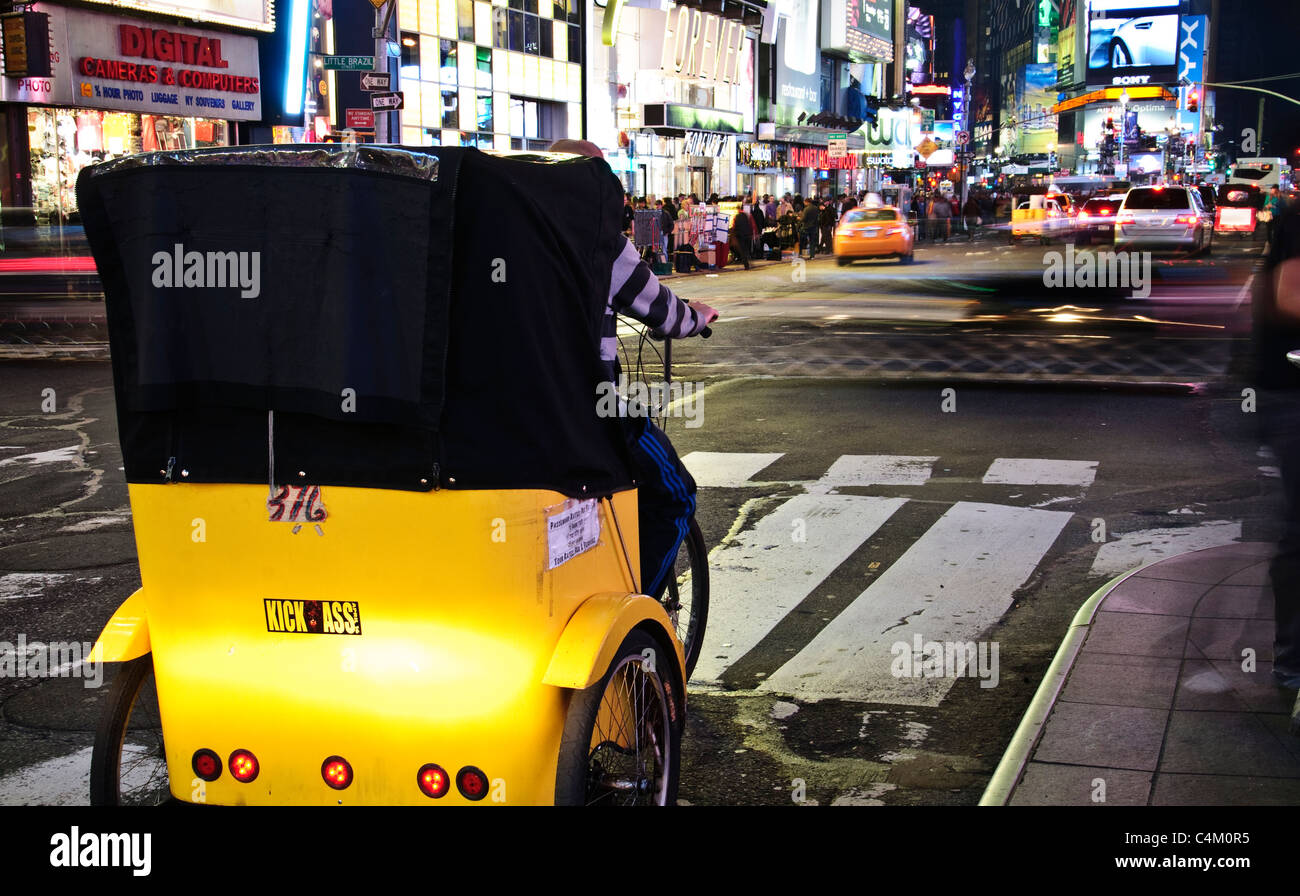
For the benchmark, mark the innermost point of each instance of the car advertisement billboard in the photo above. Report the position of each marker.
(1132, 42)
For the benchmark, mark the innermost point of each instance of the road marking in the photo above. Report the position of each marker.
(878, 469)
(1134, 549)
(62, 781)
(1040, 471)
(765, 572)
(726, 469)
(952, 584)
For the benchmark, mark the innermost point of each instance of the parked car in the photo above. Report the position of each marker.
(1166, 216)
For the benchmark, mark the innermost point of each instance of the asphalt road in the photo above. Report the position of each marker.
(852, 502)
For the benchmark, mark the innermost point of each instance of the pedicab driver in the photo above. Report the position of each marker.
(665, 490)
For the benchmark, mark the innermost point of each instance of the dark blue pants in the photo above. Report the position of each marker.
(665, 500)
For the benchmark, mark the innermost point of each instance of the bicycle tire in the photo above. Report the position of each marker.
(609, 773)
(133, 697)
(689, 618)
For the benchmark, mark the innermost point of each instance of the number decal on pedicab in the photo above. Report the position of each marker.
(296, 504)
(313, 617)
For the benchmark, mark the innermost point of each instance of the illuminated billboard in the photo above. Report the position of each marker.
(1132, 42)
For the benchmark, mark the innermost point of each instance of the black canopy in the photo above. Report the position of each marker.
(413, 317)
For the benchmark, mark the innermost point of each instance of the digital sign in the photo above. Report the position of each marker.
(869, 27)
(1132, 42)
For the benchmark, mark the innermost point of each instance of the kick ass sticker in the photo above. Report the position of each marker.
(313, 617)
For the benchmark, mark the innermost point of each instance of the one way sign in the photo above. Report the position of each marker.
(376, 81)
(386, 101)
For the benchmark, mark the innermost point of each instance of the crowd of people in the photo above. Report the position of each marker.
(807, 225)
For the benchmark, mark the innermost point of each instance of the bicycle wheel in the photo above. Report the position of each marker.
(686, 597)
(128, 766)
(620, 745)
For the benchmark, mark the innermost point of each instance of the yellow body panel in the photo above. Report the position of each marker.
(460, 623)
(127, 634)
(595, 633)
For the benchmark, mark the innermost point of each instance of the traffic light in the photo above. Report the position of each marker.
(1193, 100)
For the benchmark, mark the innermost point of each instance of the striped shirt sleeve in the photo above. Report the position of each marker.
(637, 293)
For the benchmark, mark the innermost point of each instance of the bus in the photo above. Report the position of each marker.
(1263, 173)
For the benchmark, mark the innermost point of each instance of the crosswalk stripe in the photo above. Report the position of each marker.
(1040, 471)
(726, 469)
(878, 469)
(952, 584)
(761, 576)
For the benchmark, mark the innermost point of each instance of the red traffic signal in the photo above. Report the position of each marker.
(1193, 100)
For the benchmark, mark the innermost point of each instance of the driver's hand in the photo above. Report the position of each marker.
(709, 314)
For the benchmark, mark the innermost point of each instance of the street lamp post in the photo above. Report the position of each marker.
(969, 75)
(1123, 122)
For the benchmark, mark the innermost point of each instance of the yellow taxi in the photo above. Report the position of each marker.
(873, 233)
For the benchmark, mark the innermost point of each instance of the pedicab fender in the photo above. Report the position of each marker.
(593, 634)
(126, 636)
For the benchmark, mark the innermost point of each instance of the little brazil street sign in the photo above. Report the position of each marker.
(348, 63)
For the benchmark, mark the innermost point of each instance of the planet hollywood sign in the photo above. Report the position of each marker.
(819, 157)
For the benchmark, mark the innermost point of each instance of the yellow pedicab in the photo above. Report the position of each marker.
(388, 549)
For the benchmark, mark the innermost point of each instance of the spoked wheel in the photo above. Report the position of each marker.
(129, 764)
(686, 599)
(621, 738)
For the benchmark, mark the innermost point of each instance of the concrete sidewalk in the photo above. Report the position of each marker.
(1152, 699)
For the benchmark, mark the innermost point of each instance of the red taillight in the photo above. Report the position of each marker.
(1124, 218)
(1105, 211)
(337, 772)
(433, 780)
(472, 783)
(206, 764)
(243, 765)
(1185, 219)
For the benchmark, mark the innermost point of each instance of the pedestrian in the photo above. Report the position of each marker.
(629, 213)
(971, 213)
(826, 218)
(670, 225)
(808, 220)
(1267, 215)
(1276, 332)
(941, 217)
(741, 237)
(785, 208)
(760, 225)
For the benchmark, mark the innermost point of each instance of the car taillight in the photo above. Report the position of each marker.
(472, 783)
(1124, 218)
(206, 764)
(1185, 219)
(893, 230)
(244, 766)
(1105, 211)
(337, 772)
(433, 781)
(1083, 216)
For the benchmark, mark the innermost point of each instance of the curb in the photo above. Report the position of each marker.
(1016, 757)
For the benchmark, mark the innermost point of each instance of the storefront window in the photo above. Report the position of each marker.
(63, 141)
